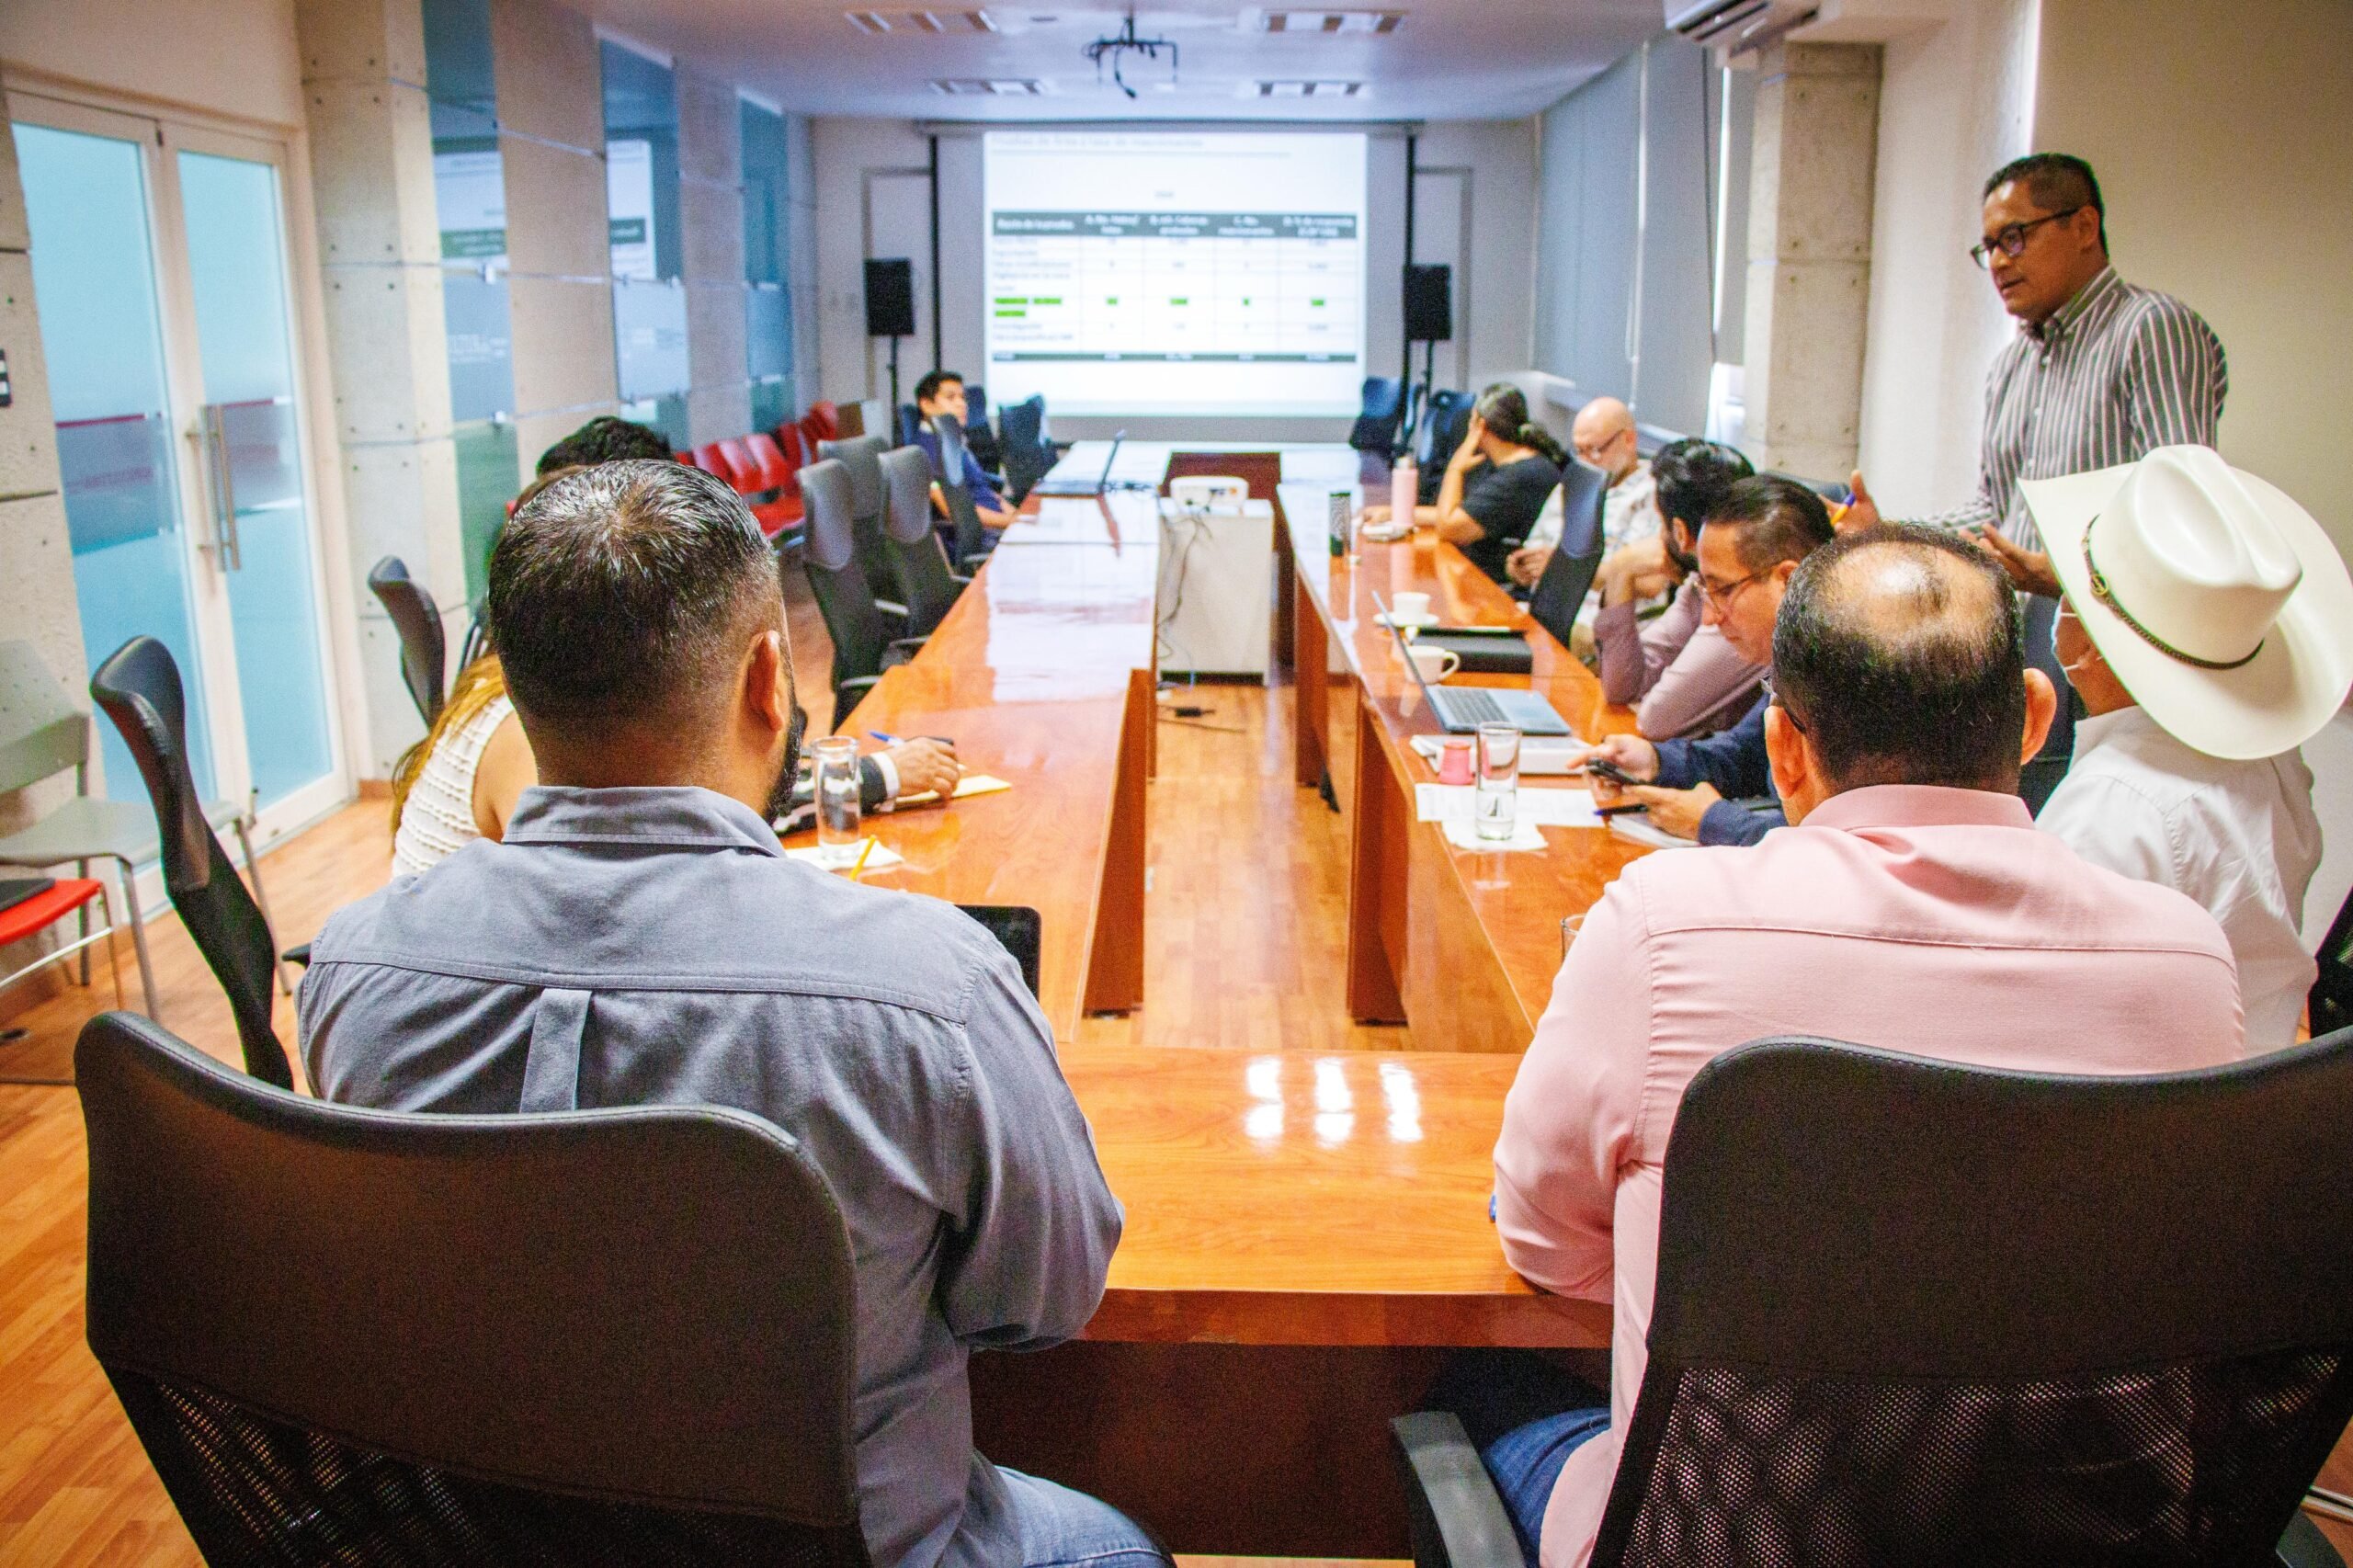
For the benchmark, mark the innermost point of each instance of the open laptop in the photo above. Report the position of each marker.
(1075, 485)
(1460, 710)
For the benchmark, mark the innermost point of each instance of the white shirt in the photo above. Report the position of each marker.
(437, 820)
(1629, 512)
(2239, 838)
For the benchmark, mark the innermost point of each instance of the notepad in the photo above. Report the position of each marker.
(1641, 831)
(881, 856)
(1543, 808)
(971, 784)
(1546, 755)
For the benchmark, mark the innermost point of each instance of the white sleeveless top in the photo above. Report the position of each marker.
(438, 819)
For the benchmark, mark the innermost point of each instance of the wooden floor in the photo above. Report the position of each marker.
(1244, 945)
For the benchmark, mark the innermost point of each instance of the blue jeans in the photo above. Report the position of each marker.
(1061, 1526)
(1525, 1418)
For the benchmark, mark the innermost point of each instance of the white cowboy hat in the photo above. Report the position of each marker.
(2218, 601)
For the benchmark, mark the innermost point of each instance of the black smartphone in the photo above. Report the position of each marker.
(1601, 768)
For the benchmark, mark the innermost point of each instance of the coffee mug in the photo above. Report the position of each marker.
(1408, 608)
(1436, 664)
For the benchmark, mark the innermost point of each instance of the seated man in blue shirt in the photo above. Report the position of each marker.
(1749, 548)
(639, 938)
(942, 392)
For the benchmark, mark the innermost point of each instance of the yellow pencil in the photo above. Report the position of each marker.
(862, 854)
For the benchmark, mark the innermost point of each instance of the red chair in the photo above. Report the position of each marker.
(712, 459)
(822, 423)
(67, 896)
(743, 472)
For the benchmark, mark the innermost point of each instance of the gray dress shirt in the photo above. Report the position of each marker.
(652, 947)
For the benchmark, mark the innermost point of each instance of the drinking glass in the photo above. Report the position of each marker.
(1499, 801)
(839, 820)
(1570, 925)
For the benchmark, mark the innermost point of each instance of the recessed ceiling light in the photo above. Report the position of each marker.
(1323, 21)
(989, 86)
(922, 21)
(1320, 88)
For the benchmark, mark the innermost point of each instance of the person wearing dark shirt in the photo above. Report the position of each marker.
(1495, 483)
(942, 392)
(1753, 543)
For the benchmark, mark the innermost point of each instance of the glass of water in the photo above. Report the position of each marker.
(1498, 800)
(840, 827)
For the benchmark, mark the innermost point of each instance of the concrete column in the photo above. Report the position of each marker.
(1811, 178)
(711, 214)
(379, 246)
(560, 293)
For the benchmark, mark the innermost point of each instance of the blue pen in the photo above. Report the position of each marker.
(893, 740)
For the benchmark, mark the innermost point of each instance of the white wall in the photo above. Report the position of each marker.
(1497, 160)
(1956, 102)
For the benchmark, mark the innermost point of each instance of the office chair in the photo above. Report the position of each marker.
(139, 687)
(1442, 433)
(978, 436)
(866, 636)
(822, 422)
(910, 420)
(1988, 1317)
(1559, 591)
(862, 457)
(1021, 430)
(2332, 994)
(778, 471)
(969, 537)
(913, 541)
(1380, 410)
(349, 1337)
(1020, 928)
(418, 621)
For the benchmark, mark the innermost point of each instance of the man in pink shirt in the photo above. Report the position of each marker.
(1914, 907)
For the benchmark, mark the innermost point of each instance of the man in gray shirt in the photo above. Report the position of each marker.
(640, 939)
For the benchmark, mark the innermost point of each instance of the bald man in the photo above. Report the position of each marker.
(1604, 439)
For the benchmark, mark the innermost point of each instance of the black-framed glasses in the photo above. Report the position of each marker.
(2011, 241)
(1720, 594)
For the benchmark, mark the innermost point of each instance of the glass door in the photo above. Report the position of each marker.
(161, 280)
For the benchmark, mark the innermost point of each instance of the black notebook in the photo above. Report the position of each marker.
(1498, 653)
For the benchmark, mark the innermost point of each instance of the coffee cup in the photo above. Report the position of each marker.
(1409, 607)
(1435, 663)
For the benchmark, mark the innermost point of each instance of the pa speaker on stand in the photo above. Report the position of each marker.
(891, 309)
(1429, 321)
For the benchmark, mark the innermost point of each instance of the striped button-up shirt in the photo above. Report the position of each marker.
(2115, 372)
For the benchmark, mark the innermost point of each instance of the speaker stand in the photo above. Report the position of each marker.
(1430, 379)
(895, 382)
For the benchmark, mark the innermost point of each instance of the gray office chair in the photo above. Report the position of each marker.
(866, 633)
(1021, 432)
(417, 621)
(1987, 1317)
(349, 1337)
(42, 734)
(913, 541)
(1379, 413)
(970, 537)
(861, 458)
(1559, 591)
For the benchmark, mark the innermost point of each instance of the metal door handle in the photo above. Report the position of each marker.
(225, 490)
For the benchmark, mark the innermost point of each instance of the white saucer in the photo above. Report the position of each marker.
(1423, 622)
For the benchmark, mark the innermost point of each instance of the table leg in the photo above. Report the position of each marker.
(1379, 816)
(1311, 689)
(1115, 957)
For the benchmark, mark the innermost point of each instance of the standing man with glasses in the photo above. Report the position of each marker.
(2101, 373)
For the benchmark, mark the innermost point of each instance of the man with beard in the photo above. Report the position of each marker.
(639, 938)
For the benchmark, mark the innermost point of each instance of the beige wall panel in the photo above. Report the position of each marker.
(36, 599)
(555, 210)
(712, 219)
(28, 431)
(371, 170)
(563, 343)
(711, 131)
(535, 433)
(16, 232)
(719, 414)
(386, 344)
(402, 499)
(232, 57)
(715, 335)
(342, 39)
(550, 84)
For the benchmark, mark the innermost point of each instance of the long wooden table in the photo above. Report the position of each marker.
(1460, 944)
(1307, 1235)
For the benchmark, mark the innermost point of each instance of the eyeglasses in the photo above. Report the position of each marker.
(1720, 594)
(2011, 242)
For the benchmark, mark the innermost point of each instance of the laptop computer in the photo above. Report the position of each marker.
(1073, 485)
(1460, 710)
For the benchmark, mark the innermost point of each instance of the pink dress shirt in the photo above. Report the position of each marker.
(1932, 921)
(1689, 680)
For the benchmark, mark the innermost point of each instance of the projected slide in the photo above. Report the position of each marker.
(1175, 272)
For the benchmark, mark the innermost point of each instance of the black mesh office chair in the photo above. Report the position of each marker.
(866, 636)
(1559, 591)
(417, 621)
(862, 459)
(139, 687)
(977, 432)
(914, 541)
(1911, 1312)
(351, 1337)
(2332, 994)
(969, 540)
(1021, 431)
(1020, 928)
(1442, 430)
(904, 428)
(1380, 410)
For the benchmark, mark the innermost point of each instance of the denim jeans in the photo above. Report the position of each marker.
(1525, 1418)
(1062, 1527)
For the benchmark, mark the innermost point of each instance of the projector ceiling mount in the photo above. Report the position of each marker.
(1119, 43)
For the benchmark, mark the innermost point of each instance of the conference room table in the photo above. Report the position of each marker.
(1308, 1234)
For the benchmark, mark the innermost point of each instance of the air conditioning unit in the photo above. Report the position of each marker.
(1736, 26)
